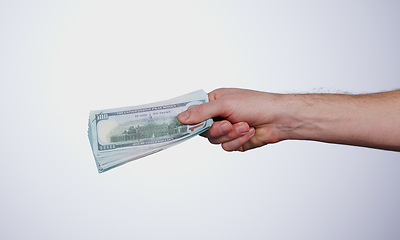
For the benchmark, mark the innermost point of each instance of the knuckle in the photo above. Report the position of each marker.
(213, 141)
(227, 148)
(213, 95)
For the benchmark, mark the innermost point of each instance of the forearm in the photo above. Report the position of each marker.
(370, 120)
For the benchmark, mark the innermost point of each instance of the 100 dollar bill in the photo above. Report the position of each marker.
(133, 132)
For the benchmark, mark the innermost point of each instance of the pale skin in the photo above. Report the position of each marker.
(247, 119)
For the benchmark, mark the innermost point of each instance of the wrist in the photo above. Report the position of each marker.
(291, 122)
(314, 116)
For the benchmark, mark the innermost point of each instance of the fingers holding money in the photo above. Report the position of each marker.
(238, 143)
(217, 136)
(231, 136)
(218, 129)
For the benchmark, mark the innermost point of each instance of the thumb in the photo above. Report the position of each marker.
(199, 113)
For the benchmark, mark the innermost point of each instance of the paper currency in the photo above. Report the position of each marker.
(121, 135)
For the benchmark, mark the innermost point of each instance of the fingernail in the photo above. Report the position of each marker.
(225, 127)
(252, 131)
(183, 116)
(242, 128)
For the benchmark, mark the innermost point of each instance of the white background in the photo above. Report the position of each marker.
(61, 59)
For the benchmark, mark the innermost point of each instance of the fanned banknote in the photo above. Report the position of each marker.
(120, 135)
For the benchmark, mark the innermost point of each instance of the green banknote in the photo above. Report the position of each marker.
(120, 135)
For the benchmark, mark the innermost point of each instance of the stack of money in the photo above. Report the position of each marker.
(118, 136)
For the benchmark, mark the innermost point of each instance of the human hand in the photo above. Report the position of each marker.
(244, 119)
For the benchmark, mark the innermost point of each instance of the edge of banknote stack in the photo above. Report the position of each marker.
(120, 135)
